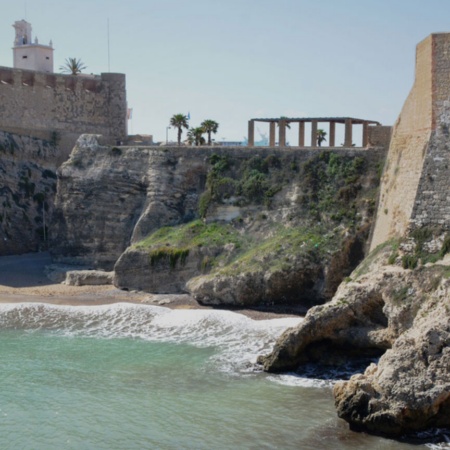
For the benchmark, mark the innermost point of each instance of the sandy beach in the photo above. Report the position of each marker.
(23, 279)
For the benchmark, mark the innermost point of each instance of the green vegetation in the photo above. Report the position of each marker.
(277, 251)
(195, 136)
(321, 137)
(172, 254)
(409, 261)
(420, 236)
(253, 181)
(400, 295)
(193, 234)
(331, 183)
(179, 121)
(175, 243)
(209, 126)
(445, 246)
(364, 267)
(72, 66)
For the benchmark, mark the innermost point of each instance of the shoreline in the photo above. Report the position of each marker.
(23, 280)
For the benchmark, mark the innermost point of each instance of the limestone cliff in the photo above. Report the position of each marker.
(27, 190)
(385, 309)
(109, 197)
(284, 218)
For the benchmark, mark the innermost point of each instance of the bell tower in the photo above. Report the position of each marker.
(31, 55)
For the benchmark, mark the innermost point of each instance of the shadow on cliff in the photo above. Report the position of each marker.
(27, 270)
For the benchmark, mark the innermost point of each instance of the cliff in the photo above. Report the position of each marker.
(27, 190)
(384, 309)
(276, 226)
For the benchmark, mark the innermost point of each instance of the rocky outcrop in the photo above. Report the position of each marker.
(409, 389)
(110, 197)
(298, 284)
(27, 190)
(164, 275)
(88, 278)
(401, 314)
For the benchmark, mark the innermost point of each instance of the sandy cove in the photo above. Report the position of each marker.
(23, 279)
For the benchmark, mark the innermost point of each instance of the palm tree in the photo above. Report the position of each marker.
(195, 136)
(73, 66)
(321, 136)
(209, 126)
(179, 121)
(286, 122)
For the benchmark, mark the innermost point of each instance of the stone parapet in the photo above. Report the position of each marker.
(41, 104)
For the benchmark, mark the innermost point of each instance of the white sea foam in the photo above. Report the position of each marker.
(237, 338)
(295, 380)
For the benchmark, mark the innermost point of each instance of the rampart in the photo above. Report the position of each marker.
(414, 189)
(62, 107)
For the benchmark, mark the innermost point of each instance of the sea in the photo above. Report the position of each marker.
(128, 376)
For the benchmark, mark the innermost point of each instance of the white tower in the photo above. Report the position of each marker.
(28, 54)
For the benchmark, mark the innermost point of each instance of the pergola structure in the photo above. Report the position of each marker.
(332, 121)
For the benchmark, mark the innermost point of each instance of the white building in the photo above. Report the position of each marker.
(28, 54)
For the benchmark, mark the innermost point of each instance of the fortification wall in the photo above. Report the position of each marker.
(409, 144)
(432, 203)
(49, 106)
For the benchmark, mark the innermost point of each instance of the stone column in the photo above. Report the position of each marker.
(301, 134)
(282, 135)
(314, 133)
(251, 133)
(273, 126)
(348, 133)
(332, 137)
(365, 136)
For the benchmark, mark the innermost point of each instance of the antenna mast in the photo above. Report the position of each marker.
(109, 54)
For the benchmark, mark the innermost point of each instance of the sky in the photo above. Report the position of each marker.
(233, 60)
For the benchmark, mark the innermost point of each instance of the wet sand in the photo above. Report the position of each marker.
(23, 279)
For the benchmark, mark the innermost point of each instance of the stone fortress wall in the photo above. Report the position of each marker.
(54, 106)
(414, 186)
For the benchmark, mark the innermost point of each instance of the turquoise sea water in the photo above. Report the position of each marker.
(141, 377)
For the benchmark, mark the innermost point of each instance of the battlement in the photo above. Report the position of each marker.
(41, 104)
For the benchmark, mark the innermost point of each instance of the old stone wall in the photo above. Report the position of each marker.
(62, 107)
(432, 203)
(379, 136)
(401, 184)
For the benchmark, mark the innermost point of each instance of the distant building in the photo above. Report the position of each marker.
(36, 102)
(229, 143)
(31, 55)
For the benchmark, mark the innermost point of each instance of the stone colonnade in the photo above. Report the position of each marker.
(282, 122)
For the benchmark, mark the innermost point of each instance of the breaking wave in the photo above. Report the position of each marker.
(237, 338)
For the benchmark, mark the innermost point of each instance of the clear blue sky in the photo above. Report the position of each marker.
(231, 60)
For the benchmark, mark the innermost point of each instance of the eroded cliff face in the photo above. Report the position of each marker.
(385, 309)
(110, 197)
(293, 223)
(27, 190)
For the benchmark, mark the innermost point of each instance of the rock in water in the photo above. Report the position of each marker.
(404, 311)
